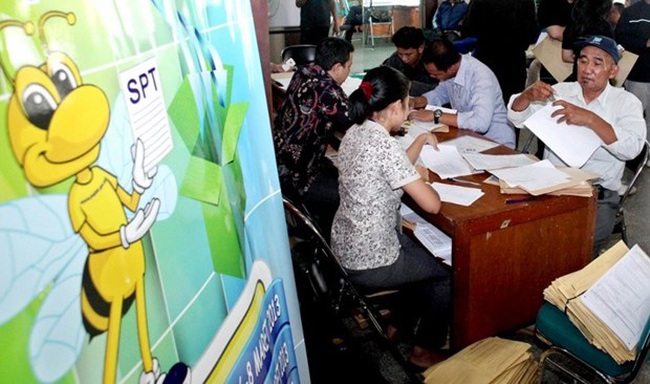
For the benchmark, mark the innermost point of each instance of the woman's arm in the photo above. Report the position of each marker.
(424, 195)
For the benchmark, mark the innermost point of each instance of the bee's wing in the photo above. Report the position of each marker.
(58, 334)
(36, 244)
(115, 157)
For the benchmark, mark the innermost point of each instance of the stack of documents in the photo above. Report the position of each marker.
(608, 300)
(543, 178)
(436, 241)
(492, 360)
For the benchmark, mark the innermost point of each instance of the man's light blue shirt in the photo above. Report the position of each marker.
(475, 93)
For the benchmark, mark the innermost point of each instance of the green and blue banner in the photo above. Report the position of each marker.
(142, 232)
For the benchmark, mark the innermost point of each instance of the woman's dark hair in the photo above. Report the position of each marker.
(380, 87)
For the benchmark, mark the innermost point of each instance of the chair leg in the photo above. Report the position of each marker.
(624, 231)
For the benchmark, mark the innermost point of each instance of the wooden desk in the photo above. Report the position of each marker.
(505, 255)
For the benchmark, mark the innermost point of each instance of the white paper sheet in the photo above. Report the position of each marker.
(145, 104)
(621, 297)
(481, 161)
(446, 161)
(457, 195)
(436, 241)
(471, 144)
(537, 176)
(571, 143)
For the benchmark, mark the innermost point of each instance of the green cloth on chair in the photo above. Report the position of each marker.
(555, 326)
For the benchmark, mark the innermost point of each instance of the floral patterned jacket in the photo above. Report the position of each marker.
(315, 106)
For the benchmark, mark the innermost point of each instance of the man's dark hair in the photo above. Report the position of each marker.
(408, 37)
(442, 53)
(332, 50)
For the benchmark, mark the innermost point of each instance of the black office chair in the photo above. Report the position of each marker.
(327, 280)
(637, 165)
(301, 53)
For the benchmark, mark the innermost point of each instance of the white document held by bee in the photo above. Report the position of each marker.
(145, 104)
(621, 297)
(571, 143)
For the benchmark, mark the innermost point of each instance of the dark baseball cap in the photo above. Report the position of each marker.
(603, 42)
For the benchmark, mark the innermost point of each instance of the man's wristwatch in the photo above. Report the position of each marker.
(437, 114)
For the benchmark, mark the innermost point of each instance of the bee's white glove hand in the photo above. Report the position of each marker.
(141, 179)
(140, 224)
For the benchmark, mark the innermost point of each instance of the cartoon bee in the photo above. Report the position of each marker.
(92, 259)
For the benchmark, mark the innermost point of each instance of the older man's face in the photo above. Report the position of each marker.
(595, 68)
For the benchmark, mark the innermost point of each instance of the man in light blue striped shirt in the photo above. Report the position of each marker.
(470, 87)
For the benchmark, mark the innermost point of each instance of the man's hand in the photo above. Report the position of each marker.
(538, 91)
(422, 115)
(572, 114)
(418, 102)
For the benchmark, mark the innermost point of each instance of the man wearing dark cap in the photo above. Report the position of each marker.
(614, 114)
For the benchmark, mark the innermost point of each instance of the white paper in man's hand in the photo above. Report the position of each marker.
(571, 143)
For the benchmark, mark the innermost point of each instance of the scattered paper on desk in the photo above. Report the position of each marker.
(446, 161)
(454, 194)
(480, 161)
(571, 143)
(621, 297)
(471, 144)
(425, 126)
(531, 178)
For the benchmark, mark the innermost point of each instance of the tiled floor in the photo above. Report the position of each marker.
(346, 349)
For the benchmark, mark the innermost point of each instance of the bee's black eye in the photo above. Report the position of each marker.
(39, 105)
(63, 80)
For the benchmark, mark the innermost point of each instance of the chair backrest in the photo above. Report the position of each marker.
(328, 279)
(639, 164)
(301, 53)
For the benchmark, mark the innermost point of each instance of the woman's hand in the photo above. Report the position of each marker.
(429, 138)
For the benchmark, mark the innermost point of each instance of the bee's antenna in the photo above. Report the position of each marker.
(70, 18)
(27, 26)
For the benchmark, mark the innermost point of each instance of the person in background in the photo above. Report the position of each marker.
(615, 13)
(353, 22)
(614, 114)
(633, 33)
(448, 19)
(374, 173)
(315, 20)
(588, 17)
(314, 108)
(407, 58)
(504, 29)
(470, 87)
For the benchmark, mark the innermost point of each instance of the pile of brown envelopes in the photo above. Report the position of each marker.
(492, 360)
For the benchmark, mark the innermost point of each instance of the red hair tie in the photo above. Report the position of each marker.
(366, 87)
